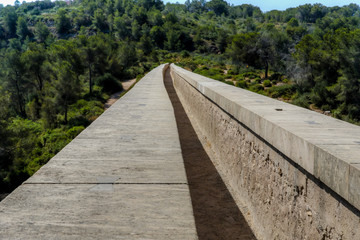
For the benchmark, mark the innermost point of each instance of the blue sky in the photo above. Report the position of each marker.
(267, 5)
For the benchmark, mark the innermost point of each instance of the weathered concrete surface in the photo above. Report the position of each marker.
(122, 178)
(275, 181)
(217, 216)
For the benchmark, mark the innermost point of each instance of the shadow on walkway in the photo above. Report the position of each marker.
(216, 213)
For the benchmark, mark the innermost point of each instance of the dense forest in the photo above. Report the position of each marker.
(60, 61)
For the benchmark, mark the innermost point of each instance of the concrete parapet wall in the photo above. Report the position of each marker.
(294, 173)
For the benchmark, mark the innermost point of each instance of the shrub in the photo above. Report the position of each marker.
(239, 77)
(74, 131)
(108, 83)
(257, 80)
(233, 71)
(250, 75)
(241, 84)
(184, 54)
(276, 76)
(284, 91)
(301, 100)
(230, 82)
(267, 83)
(256, 88)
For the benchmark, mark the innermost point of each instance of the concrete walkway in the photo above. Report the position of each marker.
(121, 178)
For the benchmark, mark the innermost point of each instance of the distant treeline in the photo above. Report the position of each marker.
(61, 60)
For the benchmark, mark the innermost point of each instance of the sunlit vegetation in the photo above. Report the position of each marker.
(60, 61)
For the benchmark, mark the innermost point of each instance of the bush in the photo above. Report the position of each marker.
(241, 84)
(79, 121)
(276, 76)
(184, 54)
(233, 71)
(230, 82)
(218, 77)
(250, 75)
(108, 83)
(301, 100)
(257, 80)
(267, 83)
(256, 88)
(213, 73)
(239, 77)
(285, 91)
(74, 131)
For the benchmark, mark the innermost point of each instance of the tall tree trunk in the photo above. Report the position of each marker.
(266, 69)
(90, 79)
(19, 98)
(40, 82)
(66, 113)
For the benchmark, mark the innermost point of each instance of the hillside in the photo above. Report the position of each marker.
(62, 60)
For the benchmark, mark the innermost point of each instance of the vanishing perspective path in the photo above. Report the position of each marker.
(137, 172)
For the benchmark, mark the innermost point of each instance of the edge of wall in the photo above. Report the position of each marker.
(327, 148)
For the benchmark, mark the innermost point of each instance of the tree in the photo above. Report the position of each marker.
(155, 18)
(96, 52)
(15, 81)
(22, 29)
(272, 47)
(195, 6)
(294, 30)
(99, 20)
(145, 44)
(63, 24)
(10, 19)
(135, 30)
(121, 27)
(158, 36)
(349, 79)
(34, 58)
(218, 6)
(67, 88)
(41, 32)
(243, 49)
(148, 4)
(222, 41)
(173, 43)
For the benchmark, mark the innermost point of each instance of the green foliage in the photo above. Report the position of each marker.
(230, 82)
(41, 32)
(241, 84)
(218, 6)
(10, 20)
(285, 91)
(99, 20)
(108, 83)
(67, 88)
(214, 73)
(302, 100)
(63, 24)
(267, 83)
(22, 29)
(256, 87)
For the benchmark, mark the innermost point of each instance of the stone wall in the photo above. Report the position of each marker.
(271, 169)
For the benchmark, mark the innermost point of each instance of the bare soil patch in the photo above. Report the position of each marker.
(113, 98)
